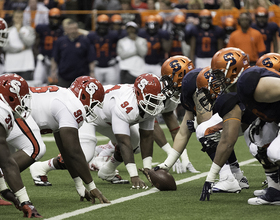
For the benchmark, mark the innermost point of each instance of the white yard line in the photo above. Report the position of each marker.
(124, 199)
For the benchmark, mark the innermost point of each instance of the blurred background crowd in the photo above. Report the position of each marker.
(55, 41)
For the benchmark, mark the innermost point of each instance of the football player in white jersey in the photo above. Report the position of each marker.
(124, 106)
(14, 103)
(62, 111)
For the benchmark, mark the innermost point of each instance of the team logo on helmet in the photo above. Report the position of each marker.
(91, 88)
(15, 86)
(142, 84)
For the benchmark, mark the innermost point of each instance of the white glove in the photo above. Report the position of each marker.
(163, 166)
(178, 167)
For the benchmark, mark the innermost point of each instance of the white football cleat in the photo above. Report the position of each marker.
(191, 168)
(260, 192)
(114, 177)
(227, 185)
(39, 175)
(272, 197)
(242, 180)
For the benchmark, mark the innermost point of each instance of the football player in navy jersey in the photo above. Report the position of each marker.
(206, 40)
(258, 89)
(207, 134)
(104, 41)
(158, 44)
(226, 67)
(47, 34)
(268, 29)
(117, 25)
(178, 37)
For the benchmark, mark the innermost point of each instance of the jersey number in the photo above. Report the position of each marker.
(206, 44)
(104, 48)
(79, 116)
(48, 44)
(124, 105)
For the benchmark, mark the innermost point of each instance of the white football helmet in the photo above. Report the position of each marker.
(27, 35)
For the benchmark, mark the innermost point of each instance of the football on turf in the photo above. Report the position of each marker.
(162, 180)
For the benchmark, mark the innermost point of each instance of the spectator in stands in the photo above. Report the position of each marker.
(252, 42)
(168, 17)
(139, 5)
(273, 11)
(73, 56)
(205, 40)
(19, 56)
(126, 17)
(132, 50)
(35, 13)
(13, 5)
(107, 5)
(226, 9)
(150, 11)
(269, 30)
(182, 4)
(192, 18)
(55, 4)
(211, 4)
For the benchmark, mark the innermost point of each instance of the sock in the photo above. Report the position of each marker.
(235, 169)
(112, 164)
(225, 173)
(273, 179)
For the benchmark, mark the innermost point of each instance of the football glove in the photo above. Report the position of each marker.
(206, 191)
(178, 167)
(29, 210)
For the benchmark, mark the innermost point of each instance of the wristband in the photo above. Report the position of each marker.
(147, 162)
(131, 169)
(91, 186)
(167, 148)
(174, 129)
(215, 169)
(172, 158)
(3, 185)
(22, 195)
(78, 181)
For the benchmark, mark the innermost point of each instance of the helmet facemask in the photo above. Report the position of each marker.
(152, 104)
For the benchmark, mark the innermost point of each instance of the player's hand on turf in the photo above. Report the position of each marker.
(29, 210)
(206, 191)
(137, 183)
(10, 196)
(145, 171)
(85, 196)
(95, 193)
(178, 167)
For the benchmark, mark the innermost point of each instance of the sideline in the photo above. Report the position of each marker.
(124, 199)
